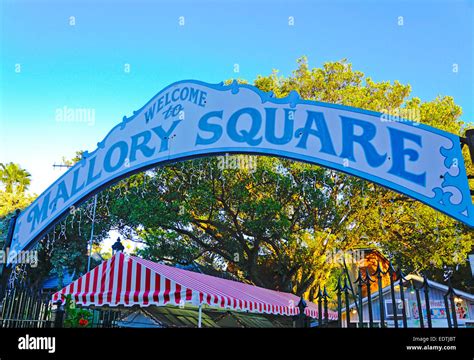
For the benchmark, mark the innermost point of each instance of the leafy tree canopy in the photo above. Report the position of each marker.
(278, 225)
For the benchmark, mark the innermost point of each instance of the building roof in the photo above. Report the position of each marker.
(52, 282)
(436, 285)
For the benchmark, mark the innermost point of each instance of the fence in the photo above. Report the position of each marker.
(378, 299)
(23, 307)
(358, 309)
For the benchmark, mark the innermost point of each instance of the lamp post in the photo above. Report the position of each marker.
(117, 247)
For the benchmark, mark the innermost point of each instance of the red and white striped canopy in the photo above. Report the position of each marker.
(129, 280)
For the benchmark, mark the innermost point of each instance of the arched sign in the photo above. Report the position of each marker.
(191, 118)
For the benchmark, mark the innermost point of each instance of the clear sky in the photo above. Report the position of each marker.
(50, 61)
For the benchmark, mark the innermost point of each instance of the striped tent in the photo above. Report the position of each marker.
(128, 280)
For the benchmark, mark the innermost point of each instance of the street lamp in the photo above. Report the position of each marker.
(117, 247)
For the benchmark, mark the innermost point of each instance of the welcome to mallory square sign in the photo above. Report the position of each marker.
(191, 118)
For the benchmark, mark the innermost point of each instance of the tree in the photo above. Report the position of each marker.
(414, 234)
(14, 178)
(278, 227)
(9, 202)
(233, 215)
(14, 182)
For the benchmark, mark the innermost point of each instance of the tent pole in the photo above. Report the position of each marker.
(200, 316)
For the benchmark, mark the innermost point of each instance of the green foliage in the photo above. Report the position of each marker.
(252, 221)
(414, 234)
(14, 178)
(9, 202)
(75, 159)
(14, 182)
(76, 317)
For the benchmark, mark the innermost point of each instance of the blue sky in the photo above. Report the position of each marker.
(82, 66)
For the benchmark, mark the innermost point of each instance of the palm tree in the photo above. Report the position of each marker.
(14, 178)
